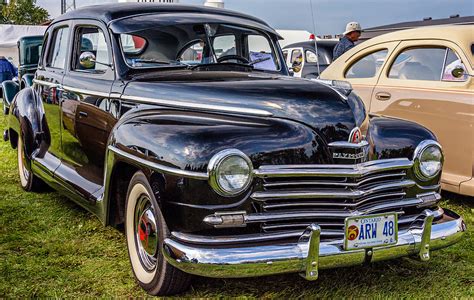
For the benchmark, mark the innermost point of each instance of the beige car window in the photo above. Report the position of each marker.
(419, 64)
(367, 66)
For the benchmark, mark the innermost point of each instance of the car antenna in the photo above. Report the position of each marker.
(315, 37)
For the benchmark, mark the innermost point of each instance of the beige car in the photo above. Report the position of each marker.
(423, 75)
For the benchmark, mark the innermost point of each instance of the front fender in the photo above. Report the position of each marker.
(9, 90)
(395, 138)
(27, 80)
(188, 140)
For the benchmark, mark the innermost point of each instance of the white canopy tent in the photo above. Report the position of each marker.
(10, 34)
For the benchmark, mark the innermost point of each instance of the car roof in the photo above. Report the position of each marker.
(310, 44)
(446, 32)
(108, 13)
(462, 35)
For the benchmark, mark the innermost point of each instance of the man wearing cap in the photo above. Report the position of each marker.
(351, 35)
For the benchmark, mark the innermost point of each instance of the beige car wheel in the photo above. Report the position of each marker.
(145, 231)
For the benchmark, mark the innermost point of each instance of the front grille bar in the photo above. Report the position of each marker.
(353, 171)
(330, 194)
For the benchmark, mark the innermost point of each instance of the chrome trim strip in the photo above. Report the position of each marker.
(86, 92)
(357, 170)
(248, 238)
(249, 260)
(329, 194)
(159, 167)
(46, 83)
(350, 145)
(200, 106)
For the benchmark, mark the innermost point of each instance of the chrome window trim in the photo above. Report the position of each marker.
(200, 106)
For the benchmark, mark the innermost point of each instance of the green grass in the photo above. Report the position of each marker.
(51, 247)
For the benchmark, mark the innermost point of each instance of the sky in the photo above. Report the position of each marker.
(330, 15)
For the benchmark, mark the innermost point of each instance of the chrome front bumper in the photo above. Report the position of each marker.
(309, 254)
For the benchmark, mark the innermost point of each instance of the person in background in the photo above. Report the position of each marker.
(7, 69)
(351, 35)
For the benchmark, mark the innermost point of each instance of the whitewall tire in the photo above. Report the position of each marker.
(145, 230)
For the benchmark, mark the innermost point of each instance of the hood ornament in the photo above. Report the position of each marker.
(355, 137)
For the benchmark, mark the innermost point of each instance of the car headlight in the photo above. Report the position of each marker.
(428, 160)
(230, 172)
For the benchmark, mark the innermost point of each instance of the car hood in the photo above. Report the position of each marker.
(317, 105)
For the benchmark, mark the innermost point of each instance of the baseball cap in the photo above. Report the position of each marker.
(352, 26)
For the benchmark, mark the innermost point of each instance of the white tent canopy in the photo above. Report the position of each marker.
(10, 34)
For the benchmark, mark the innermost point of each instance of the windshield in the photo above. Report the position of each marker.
(199, 44)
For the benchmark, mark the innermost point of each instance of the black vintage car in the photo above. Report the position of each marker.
(182, 124)
(305, 61)
(29, 50)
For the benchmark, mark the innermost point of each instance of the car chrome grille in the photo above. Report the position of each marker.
(289, 198)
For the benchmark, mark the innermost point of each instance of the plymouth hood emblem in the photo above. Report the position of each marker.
(356, 136)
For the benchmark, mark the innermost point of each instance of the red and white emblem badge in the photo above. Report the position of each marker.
(356, 136)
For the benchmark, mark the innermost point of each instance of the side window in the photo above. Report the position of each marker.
(261, 54)
(225, 45)
(132, 44)
(92, 40)
(193, 53)
(368, 66)
(285, 55)
(311, 57)
(453, 62)
(419, 64)
(58, 50)
(44, 46)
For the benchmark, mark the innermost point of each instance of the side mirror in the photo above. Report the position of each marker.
(458, 72)
(87, 60)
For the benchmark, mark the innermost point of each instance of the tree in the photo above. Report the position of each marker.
(23, 12)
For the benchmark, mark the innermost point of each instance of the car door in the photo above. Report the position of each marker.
(363, 69)
(48, 84)
(87, 112)
(417, 85)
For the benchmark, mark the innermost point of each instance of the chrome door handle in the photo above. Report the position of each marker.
(83, 114)
(383, 96)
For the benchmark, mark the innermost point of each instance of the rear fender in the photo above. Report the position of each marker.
(25, 119)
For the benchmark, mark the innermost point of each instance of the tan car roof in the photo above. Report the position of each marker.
(462, 35)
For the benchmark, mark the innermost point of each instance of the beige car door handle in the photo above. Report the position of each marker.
(383, 96)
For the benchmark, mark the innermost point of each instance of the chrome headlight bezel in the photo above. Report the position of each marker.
(213, 170)
(417, 156)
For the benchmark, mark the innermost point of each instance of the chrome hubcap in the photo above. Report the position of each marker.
(146, 233)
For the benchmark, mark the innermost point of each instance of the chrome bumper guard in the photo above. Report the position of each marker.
(309, 255)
